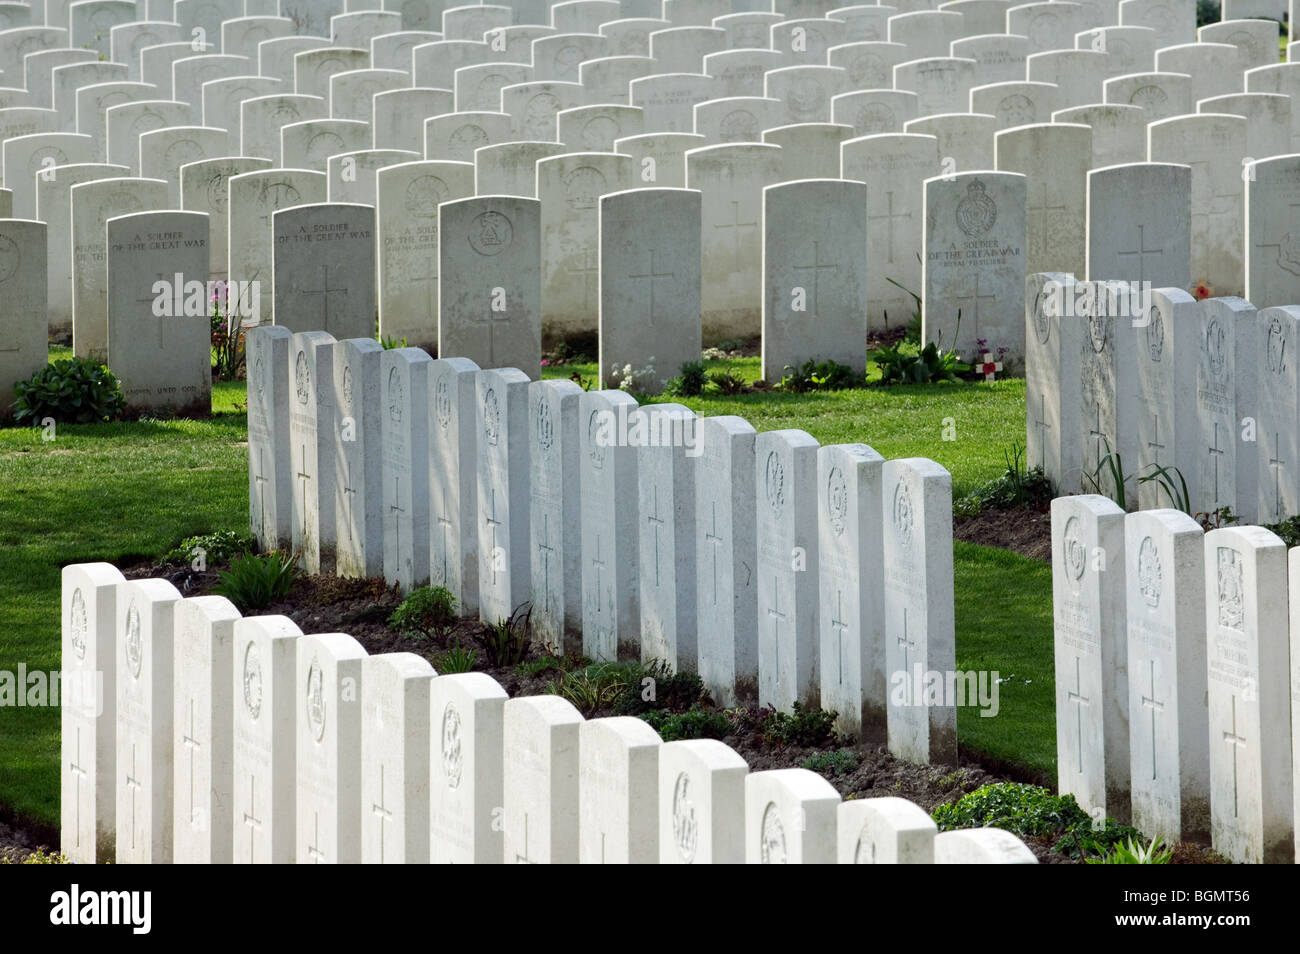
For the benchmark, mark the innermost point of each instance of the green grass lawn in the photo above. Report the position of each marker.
(118, 491)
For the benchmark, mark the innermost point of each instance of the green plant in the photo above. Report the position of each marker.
(507, 642)
(837, 763)
(695, 723)
(1207, 12)
(690, 383)
(1288, 530)
(1132, 853)
(805, 727)
(227, 333)
(1177, 493)
(1219, 517)
(428, 611)
(1111, 464)
(41, 857)
(654, 685)
(818, 376)
(728, 382)
(389, 343)
(913, 333)
(584, 383)
(218, 547)
(1022, 809)
(255, 581)
(732, 344)
(72, 391)
(457, 659)
(1016, 487)
(928, 366)
(594, 687)
(535, 667)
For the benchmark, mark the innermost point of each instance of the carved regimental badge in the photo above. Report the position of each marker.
(133, 641)
(686, 829)
(453, 754)
(491, 233)
(1074, 553)
(491, 417)
(316, 700)
(903, 516)
(1155, 333)
(253, 680)
(1216, 356)
(302, 378)
(77, 624)
(442, 403)
(774, 482)
(837, 500)
(1231, 610)
(395, 396)
(595, 450)
(545, 426)
(1150, 574)
(976, 212)
(772, 837)
(1275, 346)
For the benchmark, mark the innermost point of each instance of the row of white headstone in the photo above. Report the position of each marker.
(812, 145)
(166, 757)
(779, 570)
(1175, 675)
(1206, 389)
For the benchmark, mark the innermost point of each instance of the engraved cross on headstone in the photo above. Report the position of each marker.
(251, 821)
(588, 271)
(1155, 442)
(491, 321)
(712, 537)
(653, 276)
(395, 510)
(313, 851)
(444, 521)
(134, 785)
(191, 743)
(303, 476)
(349, 494)
(908, 644)
(1215, 453)
(736, 225)
(774, 613)
(657, 522)
(493, 523)
(1079, 700)
(816, 268)
(546, 550)
(1150, 702)
(1141, 252)
(1276, 463)
(1287, 226)
(840, 627)
(975, 297)
(523, 859)
(325, 292)
(1039, 215)
(1237, 742)
(1040, 423)
(78, 773)
(379, 811)
(262, 480)
(889, 216)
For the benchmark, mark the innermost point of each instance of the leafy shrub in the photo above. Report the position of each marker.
(1288, 530)
(507, 642)
(728, 382)
(837, 763)
(1172, 482)
(1022, 809)
(457, 659)
(218, 547)
(594, 687)
(671, 691)
(1132, 853)
(1207, 12)
(72, 391)
(928, 366)
(535, 667)
(690, 383)
(40, 857)
(695, 723)
(428, 611)
(812, 728)
(227, 333)
(255, 581)
(818, 376)
(389, 343)
(732, 344)
(1016, 487)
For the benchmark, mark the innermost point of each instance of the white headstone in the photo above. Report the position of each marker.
(540, 783)
(466, 716)
(324, 269)
(453, 484)
(555, 516)
(358, 458)
(404, 436)
(504, 560)
(618, 791)
(885, 831)
(790, 818)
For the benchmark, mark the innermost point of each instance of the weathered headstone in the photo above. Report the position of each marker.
(1054, 159)
(404, 437)
(649, 283)
(313, 418)
(328, 697)
(1272, 249)
(407, 219)
(204, 187)
(1164, 579)
(358, 458)
(1218, 458)
(270, 474)
(1277, 444)
(789, 818)
(814, 275)
(159, 335)
(489, 282)
(618, 791)
(701, 803)
(885, 831)
(726, 551)
(555, 515)
(1140, 224)
(1053, 341)
(24, 321)
(324, 269)
(144, 721)
(264, 675)
(466, 715)
(501, 519)
(851, 655)
(203, 744)
(88, 812)
(1251, 778)
(453, 483)
(981, 846)
(540, 784)
(395, 750)
(975, 262)
(1092, 701)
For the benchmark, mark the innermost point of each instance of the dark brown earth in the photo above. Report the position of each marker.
(1019, 529)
